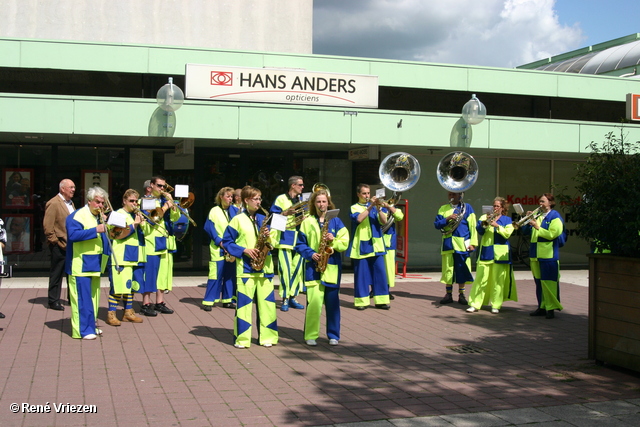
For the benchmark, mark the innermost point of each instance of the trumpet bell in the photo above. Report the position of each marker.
(187, 202)
(399, 171)
(457, 172)
(320, 186)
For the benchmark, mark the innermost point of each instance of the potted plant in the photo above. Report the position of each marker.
(607, 214)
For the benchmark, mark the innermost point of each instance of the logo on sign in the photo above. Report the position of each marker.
(221, 78)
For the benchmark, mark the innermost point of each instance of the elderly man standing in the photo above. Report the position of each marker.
(87, 257)
(55, 215)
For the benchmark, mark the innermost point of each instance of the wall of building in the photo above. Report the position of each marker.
(256, 25)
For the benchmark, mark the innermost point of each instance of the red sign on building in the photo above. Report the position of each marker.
(633, 106)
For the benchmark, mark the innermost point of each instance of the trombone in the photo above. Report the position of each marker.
(182, 205)
(153, 219)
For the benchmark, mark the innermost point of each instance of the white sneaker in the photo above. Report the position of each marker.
(98, 331)
(312, 342)
(495, 311)
(471, 310)
(90, 337)
(236, 345)
(267, 344)
(333, 341)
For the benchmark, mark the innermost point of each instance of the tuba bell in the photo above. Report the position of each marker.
(398, 172)
(457, 172)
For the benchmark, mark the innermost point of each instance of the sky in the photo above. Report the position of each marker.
(496, 33)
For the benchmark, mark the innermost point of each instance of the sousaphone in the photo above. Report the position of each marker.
(398, 172)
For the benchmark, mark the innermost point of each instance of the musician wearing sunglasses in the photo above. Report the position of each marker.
(320, 242)
(87, 255)
(457, 222)
(249, 240)
(159, 244)
(222, 266)
(544, 254)
(289, 262)
(129, 257)
(495, 281)
(367, 250)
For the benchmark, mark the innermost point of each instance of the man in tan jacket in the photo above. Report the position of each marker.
(55, 216)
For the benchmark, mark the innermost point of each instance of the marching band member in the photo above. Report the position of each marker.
(87, 254)
(544, 252)
(129, 251)
(322, 287)
(158, 275)
(457, 244)
(289, 262)
(237, 199)
(248, 239)
(495, 281)
(222, 269)
(367, 251)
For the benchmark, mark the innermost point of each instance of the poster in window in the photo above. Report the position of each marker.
(18, 188)
(19, 234)
(95, 178)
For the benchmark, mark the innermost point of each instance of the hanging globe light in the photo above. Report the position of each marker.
(474, 111)
(170, 97)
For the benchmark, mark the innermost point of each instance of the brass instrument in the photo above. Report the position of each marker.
(533, 215)
(101, 220)
(113, 231)
(301, 209)
(457, 172)
(185, 204)
(262, 244)
(228, 257)
(154, 218)
(324, 249)
(491, 217)
(398, 172)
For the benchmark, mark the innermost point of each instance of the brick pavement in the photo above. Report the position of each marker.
(182, 369)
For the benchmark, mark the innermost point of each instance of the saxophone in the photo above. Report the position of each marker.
(324, 249)
(262, 245)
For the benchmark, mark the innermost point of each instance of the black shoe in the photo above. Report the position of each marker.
(462, 300)
(448, 299)
(162, 308)
(549, 314)
(147, 310)
(228, 305)
(538, 312)
(383, 306)
(2, 316)
(56, 306)
(391, 297)
(361, 307)
(207, 307)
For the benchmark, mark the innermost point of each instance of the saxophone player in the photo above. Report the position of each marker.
(456, 220)
(320, 235)
(241, 238)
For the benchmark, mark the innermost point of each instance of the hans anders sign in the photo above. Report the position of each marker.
(283, 86)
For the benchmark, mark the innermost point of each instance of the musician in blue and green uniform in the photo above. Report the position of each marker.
(395, 215)
(222, 266)
(544, 255)
(129, 252)
(322, 287)
(158, 275)
(240, 239)
(495, 281)
(367, 251)
(457, 245)
(289, 261)
(87, 254)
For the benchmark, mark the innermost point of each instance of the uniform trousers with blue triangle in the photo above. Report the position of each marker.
(317, 296)
(290, 272)
(222, 278)
(260, 288)
(84, 298)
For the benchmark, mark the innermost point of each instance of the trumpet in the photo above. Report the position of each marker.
(533, 215)
(491, 217)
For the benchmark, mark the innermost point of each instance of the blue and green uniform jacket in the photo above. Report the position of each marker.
(544, 242)
(494, 243)
(242, 233)
(130, 251)
(285, 239)
(455, 242)
(87, 250)
(157, 242)
(368, 240)
(308, 242)
(391, 236)
(215, 225)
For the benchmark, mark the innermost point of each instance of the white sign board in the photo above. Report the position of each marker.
(283, 86)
